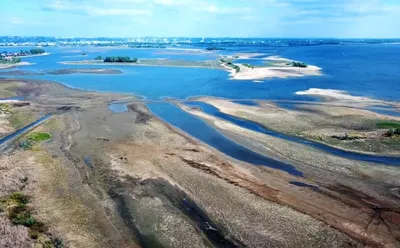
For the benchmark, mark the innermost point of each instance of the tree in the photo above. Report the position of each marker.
(299, 64)
(120, 59)
(98, 58)
(37, 51)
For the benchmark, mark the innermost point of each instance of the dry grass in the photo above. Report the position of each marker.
(14, 172)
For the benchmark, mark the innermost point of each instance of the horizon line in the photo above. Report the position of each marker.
(197, 37)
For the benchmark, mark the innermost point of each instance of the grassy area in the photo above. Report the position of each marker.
(388, 124)
(32, 139)
(38, 137)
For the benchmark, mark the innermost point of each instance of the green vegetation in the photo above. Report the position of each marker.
(13, 60)
(38, 137)
(32, 139)
(299, 64)
(20, 213)
(119, 59)
(249, 66)
(214, 48)
(388, 124)
(230, 64)
(98, 58)
(37, 51)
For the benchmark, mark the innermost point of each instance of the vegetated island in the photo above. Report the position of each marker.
(116, 59)
(277, 68)
(128, 61)
(8, 59)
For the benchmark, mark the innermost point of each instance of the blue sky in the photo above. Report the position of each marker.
(202, 18)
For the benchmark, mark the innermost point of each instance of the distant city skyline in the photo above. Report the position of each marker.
(202, 18)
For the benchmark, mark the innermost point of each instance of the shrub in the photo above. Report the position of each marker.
(299, 64)
(19, 198)
(99, 58)
(391, 132)
(248, 65)
(37, 51)
(119, 59)
(388, 124)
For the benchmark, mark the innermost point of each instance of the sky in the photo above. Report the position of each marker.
(202, 18)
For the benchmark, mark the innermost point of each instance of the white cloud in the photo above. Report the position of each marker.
(16, 21)
(119, 12)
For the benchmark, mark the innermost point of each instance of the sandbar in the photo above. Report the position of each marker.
(258, 73)
(7, 66)
(339, 95)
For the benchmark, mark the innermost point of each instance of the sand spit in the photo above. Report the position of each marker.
(341, 96)
(336, 94)
(7, 66)
(248, 55)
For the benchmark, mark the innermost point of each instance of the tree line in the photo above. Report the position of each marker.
(117, 59)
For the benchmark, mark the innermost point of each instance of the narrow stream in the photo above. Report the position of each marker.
(211, 110)
(202, 131)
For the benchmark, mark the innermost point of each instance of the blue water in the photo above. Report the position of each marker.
(304, 185)
(362, 69)
(24, 129)
(209, 109)
(200, 130)
(369, 70)
(118, 107)
(247, 103)
(387, 112)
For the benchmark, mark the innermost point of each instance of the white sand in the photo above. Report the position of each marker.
(247, 73)
(335, 94)
(6, 66)
(34, 55)
(278, 59)
(248, 55)
(9, 101)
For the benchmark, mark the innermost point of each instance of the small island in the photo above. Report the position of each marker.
(117, 59)
(8, 59)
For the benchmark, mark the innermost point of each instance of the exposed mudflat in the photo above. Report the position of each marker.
(337, 124)
(130, 180)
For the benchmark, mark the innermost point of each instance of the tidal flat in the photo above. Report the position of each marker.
(130, 178)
